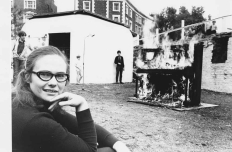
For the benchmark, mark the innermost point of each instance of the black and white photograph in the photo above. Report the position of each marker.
(116, 76)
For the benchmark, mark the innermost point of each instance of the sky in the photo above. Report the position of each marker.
(215, 8)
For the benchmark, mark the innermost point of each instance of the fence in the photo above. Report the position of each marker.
(182, 28)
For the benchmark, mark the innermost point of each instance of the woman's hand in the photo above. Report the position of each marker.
(120, 147)
(69, 99)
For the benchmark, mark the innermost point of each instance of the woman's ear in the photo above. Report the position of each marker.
(66, 83)
(28, 78)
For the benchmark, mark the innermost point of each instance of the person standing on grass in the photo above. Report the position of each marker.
(21, 50)
(78, 66)
(119, 66)
(39, 124)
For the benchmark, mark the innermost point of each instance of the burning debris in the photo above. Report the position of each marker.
(165, 75)
(164, 87)
(169, 55)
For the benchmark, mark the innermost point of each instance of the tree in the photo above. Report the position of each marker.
(184, 15)
(169, 18)
(16, 20)
(197, 14)
(166, 18)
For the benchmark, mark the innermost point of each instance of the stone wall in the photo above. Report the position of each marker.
(217, 77)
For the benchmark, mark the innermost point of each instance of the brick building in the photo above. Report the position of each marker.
(31, 7)
(122, 11)
(28, 9)
(217, 65)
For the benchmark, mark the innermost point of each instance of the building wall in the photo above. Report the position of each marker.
(80, 4)
(100, 8)
(111, 12)
(42, 6)
(217, 77)
(93, 50)
(133, 18)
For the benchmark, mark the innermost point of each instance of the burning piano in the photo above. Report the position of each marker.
(169, 76)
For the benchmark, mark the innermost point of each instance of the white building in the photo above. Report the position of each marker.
(73, 31)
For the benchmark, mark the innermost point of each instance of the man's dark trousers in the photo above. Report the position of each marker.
(119, 70)
(18, 65)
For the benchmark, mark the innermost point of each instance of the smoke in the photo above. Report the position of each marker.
(150, 38)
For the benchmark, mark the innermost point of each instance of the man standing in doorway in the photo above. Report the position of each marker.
(119, 66)
(21, 50)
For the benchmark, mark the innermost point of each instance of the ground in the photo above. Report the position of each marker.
(155, 129)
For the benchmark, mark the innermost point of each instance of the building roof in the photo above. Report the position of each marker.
(83, 12)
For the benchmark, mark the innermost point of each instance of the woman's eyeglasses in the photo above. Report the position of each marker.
(46, 76)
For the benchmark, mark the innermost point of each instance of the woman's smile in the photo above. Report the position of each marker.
(48, 89)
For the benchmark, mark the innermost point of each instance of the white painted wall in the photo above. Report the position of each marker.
(217, 77)
(100, 50)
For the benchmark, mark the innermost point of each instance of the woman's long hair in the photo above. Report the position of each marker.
(24, 95)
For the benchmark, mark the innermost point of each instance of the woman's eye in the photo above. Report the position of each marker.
(60, 75)
(45, 74)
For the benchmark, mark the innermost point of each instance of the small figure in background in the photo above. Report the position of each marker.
(21, 49)
(208, 26)
(78, 66)
(119, 66)
(214, 28)
(172, 35)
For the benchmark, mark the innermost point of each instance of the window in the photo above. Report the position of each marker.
(130, 25)
(136, 29)
(130, 13)
(29, 4)
(220, 50)
(139, 20)
(116, 6)
(140, 31)
(126, 9)
(116, 18)
(126, 22)
(86, 5)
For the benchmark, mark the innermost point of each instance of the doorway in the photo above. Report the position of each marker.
(61, 41)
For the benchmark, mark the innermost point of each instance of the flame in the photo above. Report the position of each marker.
(166, 58)
(144, 91)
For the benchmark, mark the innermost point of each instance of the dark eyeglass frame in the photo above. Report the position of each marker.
(52, 75)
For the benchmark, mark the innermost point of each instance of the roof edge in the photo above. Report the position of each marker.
(47, 15)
